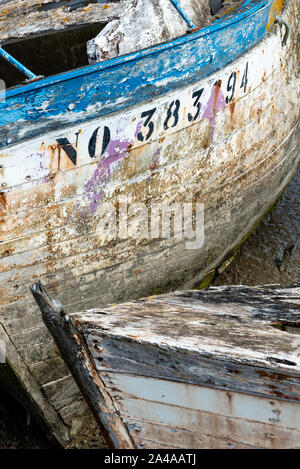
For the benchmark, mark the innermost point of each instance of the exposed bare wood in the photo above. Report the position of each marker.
(145, 23)
(67, 340)
(49, 370)
(217, 433)
(37, 403)
(205, 369)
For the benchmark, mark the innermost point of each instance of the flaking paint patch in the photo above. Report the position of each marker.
(161, 69)
(41, 167)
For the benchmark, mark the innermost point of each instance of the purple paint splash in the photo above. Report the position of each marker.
(94, 189)
(215, 103)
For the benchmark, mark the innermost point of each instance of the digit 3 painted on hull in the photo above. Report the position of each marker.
(210, 117)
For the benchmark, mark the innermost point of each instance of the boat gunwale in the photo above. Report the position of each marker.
(239, 14)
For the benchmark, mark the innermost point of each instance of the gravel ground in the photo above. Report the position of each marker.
(272, 252)
(14, 431)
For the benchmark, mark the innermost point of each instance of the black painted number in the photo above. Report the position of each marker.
(197, 104)
(172, 113)
(231, 87)
(245, 79)
(95, 138)
(148, 123)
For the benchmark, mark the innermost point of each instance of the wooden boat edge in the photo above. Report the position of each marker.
(68, 329)
(238, 15)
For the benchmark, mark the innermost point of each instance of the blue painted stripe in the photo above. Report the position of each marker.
(119, 83)
(247, 9)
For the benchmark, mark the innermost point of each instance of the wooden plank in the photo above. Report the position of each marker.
(35, 352)
(226, 328)
(62, 392)
(234, 329)
(70, 260)
(37, 334)
(72, 413)
(200, 429)
(134, 392)
(219, 410)
(49, 370)
(40, 405)
(224, 374)
(215, 432)
(36, 269)
(211, 443)
(99, 400)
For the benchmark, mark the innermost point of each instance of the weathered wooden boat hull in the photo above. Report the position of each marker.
(235, 156)
(193, 369)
